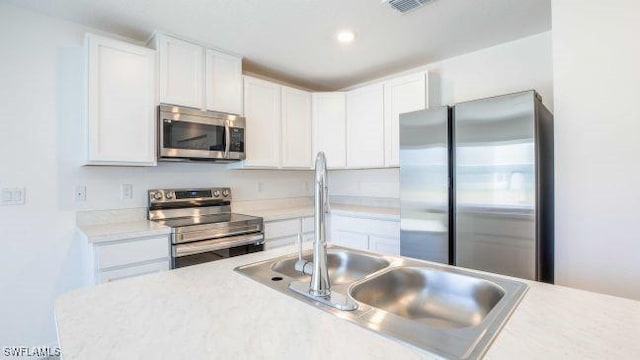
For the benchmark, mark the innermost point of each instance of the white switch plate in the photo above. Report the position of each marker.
(7, 196)
(126, 191)
(80, 193)
(13, 196)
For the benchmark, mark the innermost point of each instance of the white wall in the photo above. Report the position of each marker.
(510, 67)
(596, 59)
(41, 74)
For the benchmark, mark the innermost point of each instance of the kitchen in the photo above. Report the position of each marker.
(564, 52)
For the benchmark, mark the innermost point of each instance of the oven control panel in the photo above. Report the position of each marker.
(157, 196)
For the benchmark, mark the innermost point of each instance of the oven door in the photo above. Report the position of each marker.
(211, 250)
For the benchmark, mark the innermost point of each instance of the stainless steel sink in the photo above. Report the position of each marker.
(345, 266)
(432, 297)
(446, 311)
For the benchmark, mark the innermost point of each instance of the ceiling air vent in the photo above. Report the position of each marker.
(404, 6)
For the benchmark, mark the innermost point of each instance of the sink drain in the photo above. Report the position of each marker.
(276, 278)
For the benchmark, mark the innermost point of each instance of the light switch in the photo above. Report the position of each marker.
(13, 196)
(17, 195)
(127, 191)
(7, 195)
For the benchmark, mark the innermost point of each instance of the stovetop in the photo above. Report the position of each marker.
(196, 221)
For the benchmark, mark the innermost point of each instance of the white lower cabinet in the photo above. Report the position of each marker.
(127, 258)
(384, 244)
(382, 236)
(279, 233)
(131, 271)
(352, 239)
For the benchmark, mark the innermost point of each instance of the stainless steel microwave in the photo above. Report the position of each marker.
(186, 134)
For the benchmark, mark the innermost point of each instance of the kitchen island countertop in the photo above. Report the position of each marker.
(209, 311)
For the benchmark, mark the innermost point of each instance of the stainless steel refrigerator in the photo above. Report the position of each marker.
(476, 185)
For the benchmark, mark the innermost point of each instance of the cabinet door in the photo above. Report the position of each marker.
(276, 243)
(128, 272)
(352, 240)
(262, 113)
(384, 245)
(119, 123)
(223, 79)
(181, 72)
(365, 127)
(401, 95)
(125, 253)
(329, 128)
(281, 228)
(296, 128)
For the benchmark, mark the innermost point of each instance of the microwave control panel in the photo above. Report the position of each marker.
(237, 140)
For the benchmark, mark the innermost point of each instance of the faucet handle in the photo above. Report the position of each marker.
(299, 243)
(302, 265)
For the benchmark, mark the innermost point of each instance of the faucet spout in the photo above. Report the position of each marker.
(320, 284)
(320, 287)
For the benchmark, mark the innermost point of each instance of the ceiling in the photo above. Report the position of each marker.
(294, 40)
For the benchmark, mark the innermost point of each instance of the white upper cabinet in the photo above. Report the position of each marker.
(119, 119)
(262, 112)
(296, 128)
(194, 76)
(181, 71)
(401, 95)
(223, 82)
(365, 127)
(329, 127)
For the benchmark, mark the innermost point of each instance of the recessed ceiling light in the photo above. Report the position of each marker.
(346, 36)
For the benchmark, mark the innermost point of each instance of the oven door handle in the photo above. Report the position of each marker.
(216, 244)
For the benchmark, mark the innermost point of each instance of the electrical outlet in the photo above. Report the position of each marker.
(13, 196)
(126, 192)
(307, 187)
(260, 186)
(80, 193)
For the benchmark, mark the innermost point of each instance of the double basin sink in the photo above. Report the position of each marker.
(449, 312)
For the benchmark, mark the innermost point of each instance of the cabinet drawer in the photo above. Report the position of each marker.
(309, 237)
(384, 245)
(276, 243)
(278, 229)
(387, 228)
(113, 275)
(354, 240)
(131, 252)
(307, 225)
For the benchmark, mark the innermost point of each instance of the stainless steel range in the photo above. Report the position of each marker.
(202, 226)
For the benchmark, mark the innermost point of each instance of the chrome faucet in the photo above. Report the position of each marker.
(320, 284)
(320, 287)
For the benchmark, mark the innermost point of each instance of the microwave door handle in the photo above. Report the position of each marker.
(227, 139)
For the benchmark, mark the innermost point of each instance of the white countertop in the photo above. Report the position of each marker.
(123, 230)
(210, 312)
(370, 212)
(281, 213)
